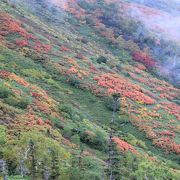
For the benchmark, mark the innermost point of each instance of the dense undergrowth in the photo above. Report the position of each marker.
(59, 68)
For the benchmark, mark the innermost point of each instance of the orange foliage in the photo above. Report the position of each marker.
(141, 67)
(144, 58)
(10, 26)
(172, 108)
(167, 133)
(109, 34)
(118, 85)
(40, 47)
(19, 80)
(40, 121)
(21, 43)
(76, 69)
(124, 146)
(65, 49)
(4, 74)
(168, 144)
(72, 70)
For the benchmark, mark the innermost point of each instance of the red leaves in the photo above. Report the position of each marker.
(141, 67)
(42, 106)
(172, 108)
(167, 133)
(40, 121)
(21, 43)
(144, 58)
(72, 70)
(15, 27)
(14, 77)
(4, 74)
(124, 146)
(19, 80)
(33, 121)
(65, 49)
(9, 25)
(117, 85)
(36, 95)
(80, 56)
(168, 144)
(108, 33)
(46, 47)
(40, 47)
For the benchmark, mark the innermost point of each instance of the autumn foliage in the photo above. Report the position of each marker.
(118, 85)
(10, 26)
(124, 146)
(21, 43)
(144, 58)
(4, 74)
(167, 144)
(64, 48)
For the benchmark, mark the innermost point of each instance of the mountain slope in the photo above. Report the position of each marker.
(60, 66)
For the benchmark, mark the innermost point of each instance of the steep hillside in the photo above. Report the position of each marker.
(63, 65)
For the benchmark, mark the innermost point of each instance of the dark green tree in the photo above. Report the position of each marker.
(112, 159)
(55, 169)
(32, 151)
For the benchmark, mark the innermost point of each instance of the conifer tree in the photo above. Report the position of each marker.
(55, 169)
(33, 159)
(111, 151)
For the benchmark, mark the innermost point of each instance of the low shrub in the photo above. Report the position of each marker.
(101, 59)
(75, 139)
(73, 81)
(4, 91)
(93, 135)
(108, 102)
(70, 112)
(19, 102)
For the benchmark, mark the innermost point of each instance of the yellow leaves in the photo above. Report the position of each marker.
(7, 84)
(76, 69)
(37, 74)
(66, 155)
(19, 80)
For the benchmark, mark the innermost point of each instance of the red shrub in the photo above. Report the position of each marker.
(4, 74)
(119, 85)
(124, 146)
(40, 47)
(21, 43)
(40, 121)
(144, 58)
(168, 144)
(46, 47)
(10, 25)
(19, 80)
(36, 95)
(167, 133)
(80, 56)
(65, 49)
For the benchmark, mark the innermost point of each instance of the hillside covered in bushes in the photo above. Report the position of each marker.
(89, 90)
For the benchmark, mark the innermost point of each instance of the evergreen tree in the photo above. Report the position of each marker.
(111, 151)
(33, 159)
(55, 169)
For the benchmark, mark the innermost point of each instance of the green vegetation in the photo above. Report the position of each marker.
(4, 91)
(55, 119)
(101, 59)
